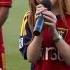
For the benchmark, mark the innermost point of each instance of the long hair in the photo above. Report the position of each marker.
(63, 9)
(32, 6)
(31, 17)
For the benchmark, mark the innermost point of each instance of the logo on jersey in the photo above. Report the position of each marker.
(51, 53)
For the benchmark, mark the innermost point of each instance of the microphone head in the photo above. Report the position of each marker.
(47, 4)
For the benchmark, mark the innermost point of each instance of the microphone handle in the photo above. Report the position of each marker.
(38, 25)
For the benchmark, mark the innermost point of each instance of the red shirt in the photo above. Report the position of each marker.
(51, 59)
(3, 3)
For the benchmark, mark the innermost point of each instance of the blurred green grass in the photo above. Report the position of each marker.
(11, 35)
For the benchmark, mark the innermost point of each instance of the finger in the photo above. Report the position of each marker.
(36, 16)
(49, 13)
(40, 5)
(49, 19)
(48, 23)
(40, 9)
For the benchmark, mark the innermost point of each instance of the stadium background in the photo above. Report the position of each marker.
(11, 30)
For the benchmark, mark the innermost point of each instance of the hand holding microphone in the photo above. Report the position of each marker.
(40, 20)
(41, 14)
(38, 25)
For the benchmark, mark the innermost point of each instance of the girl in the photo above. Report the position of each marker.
(51, 49)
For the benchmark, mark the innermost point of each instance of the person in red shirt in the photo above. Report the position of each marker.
(50, 50)
(4, 11)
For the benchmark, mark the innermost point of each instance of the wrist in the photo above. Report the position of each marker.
(56, 36)
(38, 38)
(57, 39)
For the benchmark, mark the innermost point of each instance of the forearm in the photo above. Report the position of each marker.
(63, 48)
(34, 49)
(3, 14)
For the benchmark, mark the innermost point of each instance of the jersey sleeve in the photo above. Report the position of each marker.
(25, 36)
(5, 3)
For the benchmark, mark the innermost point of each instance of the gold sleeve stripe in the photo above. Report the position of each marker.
(23, 30)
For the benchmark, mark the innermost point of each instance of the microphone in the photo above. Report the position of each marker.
(38, 25)
(40, 20)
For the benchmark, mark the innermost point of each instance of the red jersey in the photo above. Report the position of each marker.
(51, 59)
(3, 3)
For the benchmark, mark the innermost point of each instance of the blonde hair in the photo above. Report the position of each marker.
(67, 4)
(31, 17)
(62, 4)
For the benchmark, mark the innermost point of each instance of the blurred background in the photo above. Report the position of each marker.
(11, 31)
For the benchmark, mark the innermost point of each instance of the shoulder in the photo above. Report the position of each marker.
(5, 3)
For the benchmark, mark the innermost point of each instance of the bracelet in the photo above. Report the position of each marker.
(57, 39)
